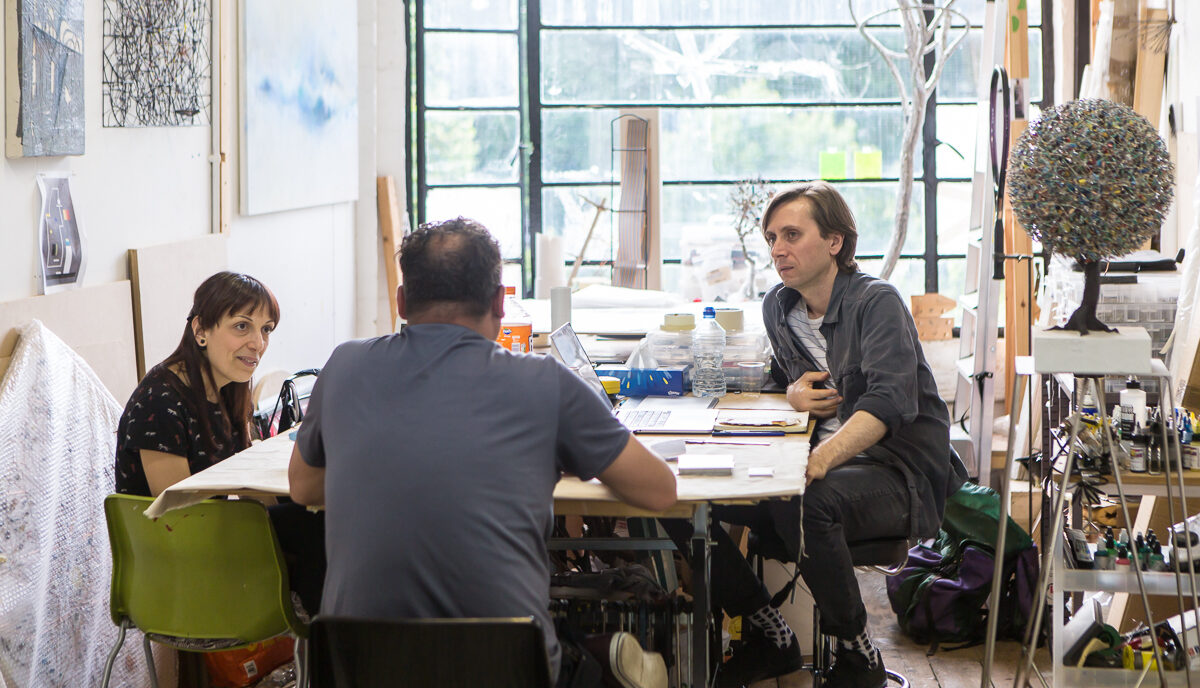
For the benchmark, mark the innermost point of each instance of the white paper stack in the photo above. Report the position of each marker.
(706, 464)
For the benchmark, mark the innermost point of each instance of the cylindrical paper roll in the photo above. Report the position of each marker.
(549, 265)
(560, 307)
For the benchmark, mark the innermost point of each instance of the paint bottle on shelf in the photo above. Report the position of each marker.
(1137, 451)
(1133, 406)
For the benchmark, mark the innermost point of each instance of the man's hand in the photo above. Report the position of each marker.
(804, 395)
(817, 468)
(860, 431)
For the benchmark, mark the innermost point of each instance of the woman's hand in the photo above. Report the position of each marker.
(805, 394)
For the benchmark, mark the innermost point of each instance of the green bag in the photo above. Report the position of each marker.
(973, 514)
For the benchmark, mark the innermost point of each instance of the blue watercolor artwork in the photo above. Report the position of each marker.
(44, 75)
(299, 124)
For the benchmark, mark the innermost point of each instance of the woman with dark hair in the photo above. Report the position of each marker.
(193, 410)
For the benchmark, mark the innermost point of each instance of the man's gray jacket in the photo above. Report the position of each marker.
(877, 365)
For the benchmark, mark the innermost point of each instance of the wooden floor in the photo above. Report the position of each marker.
(956, 669)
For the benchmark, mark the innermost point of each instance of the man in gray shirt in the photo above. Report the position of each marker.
(435, 451)
(846, 346)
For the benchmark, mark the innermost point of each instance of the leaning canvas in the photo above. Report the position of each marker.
(299, 104)
(43, 78)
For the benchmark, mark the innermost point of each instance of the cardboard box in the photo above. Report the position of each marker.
(930, 305)
(664, 381)
(930, 329)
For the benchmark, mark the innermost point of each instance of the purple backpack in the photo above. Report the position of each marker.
(941, 594)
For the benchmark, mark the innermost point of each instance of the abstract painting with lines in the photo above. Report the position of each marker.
(157, 63)
(43, 78)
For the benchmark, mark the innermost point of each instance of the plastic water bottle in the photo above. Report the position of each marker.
(708, 357)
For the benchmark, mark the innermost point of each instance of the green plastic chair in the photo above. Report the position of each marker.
(203, 578)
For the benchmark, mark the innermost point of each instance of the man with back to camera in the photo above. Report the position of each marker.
(435, 452)
(882, 465)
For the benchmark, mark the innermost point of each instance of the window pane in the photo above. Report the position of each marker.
(713, 66)
(498, 209)
(691, 12)
(954, 217)
(874, 208)
(471, 14)
(577, 145)
(952, 275)
(471, 147)
(565, 213)
(908, 277)
(960, 75)
(470, 69)
(693, 210)
(956, 130)
(774, 143)
(730, 143)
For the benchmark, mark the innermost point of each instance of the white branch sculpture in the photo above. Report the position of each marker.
(920, 39)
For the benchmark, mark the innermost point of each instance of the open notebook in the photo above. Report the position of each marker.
(658, 420)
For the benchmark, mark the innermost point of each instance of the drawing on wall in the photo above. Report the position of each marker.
(43, 78)
(299, 104)
(157, 65)
(60, 241)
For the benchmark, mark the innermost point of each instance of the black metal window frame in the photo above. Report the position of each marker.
(530, 108)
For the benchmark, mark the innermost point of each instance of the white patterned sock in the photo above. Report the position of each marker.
(861, 644)
(772, 624)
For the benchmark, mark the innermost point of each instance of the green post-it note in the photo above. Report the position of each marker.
(868, 164)
(833, 165)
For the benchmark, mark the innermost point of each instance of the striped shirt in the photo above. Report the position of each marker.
(808, 332)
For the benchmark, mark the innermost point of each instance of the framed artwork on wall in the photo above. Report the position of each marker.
(156, 68)
(43, 78)
(298, 105)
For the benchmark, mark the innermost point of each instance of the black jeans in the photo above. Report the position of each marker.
(855, 501)
(301, 535)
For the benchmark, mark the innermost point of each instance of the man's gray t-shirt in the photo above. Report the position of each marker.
(441, 452)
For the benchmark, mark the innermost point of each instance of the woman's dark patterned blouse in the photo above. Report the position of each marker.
(158, 417)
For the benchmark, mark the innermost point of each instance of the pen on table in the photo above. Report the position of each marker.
(748, 433)
(757, 444)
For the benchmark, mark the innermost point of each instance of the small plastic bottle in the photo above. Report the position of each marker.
(516, 329)
(1133, 405)
(1137, 451)
(1088, 405)
(708, 357)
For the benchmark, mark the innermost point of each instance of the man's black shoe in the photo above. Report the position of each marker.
(851, 670)
(757, 659)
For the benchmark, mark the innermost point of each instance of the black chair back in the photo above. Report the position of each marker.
(489, 653)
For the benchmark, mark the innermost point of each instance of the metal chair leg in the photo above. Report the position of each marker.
(112, 654)
(301, 659)
(150, 661)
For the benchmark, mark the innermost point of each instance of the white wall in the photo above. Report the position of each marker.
(140, 187)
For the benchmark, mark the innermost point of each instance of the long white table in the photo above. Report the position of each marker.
(261, 470)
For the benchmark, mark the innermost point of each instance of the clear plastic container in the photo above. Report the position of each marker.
(708, 357)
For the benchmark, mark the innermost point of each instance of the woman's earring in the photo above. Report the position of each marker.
(202, 342)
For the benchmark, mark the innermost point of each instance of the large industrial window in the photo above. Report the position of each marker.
(513, 103)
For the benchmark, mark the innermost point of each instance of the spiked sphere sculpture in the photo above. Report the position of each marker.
(1090, 179)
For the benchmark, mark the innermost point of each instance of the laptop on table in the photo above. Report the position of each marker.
(658, 420)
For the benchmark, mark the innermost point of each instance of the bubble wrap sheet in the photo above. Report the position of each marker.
(57, 437)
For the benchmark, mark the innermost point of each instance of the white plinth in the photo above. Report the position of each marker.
(1126, 352)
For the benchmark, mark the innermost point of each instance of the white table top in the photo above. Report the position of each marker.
(262, 470)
